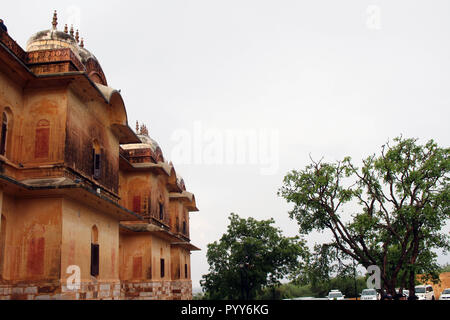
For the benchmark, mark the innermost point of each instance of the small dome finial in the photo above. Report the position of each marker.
(77, 36)
(66, 28)
(71, 30)
(55, 20)
(137, 127)
(144, 130)
(82, 43)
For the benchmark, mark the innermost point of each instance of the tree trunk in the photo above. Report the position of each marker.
(412, 272)
(391, 287)
(412, 283)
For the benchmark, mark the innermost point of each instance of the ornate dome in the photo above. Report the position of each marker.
(146, 143)
(51, 39)
(54, 39)
(85, 55)
(149, 142)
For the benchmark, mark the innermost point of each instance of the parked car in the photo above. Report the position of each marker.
(370, 294)
(425, 292)
(335, 295)
(445, 295)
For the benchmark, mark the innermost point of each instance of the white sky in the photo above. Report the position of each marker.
(327, 76)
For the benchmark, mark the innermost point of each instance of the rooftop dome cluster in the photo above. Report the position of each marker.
(149, 151)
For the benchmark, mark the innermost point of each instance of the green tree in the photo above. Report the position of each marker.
(252, 255)
(399, 202)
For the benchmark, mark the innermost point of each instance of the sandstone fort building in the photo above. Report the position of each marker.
(79, 188)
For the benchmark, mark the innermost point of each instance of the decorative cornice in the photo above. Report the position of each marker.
(54, 56)
(12, 45)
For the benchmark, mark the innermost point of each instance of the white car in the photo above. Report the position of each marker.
(445, 295)
(425, 292)
(369, 294)
(335, 295)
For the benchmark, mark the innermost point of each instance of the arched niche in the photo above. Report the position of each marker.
(7, 123)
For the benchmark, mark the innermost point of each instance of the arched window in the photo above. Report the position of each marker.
(95, 252)
(7, 123)
(42, 139)
(162, 268)
(161, 211)
(96, 159)
(4, 134)
(94, 235)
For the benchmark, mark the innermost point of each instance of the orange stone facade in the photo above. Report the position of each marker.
(90, 208)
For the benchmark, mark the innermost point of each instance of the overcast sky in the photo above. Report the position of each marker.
(326, 78)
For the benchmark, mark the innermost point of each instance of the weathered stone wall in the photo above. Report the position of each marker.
(182, 290)
(135, 257)
(39, 137)
(56, 291)
(88, 122)
(157, 290)
(95, 291)
(151, 290)
(77, 224)
(30, 291)
(32, 239)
